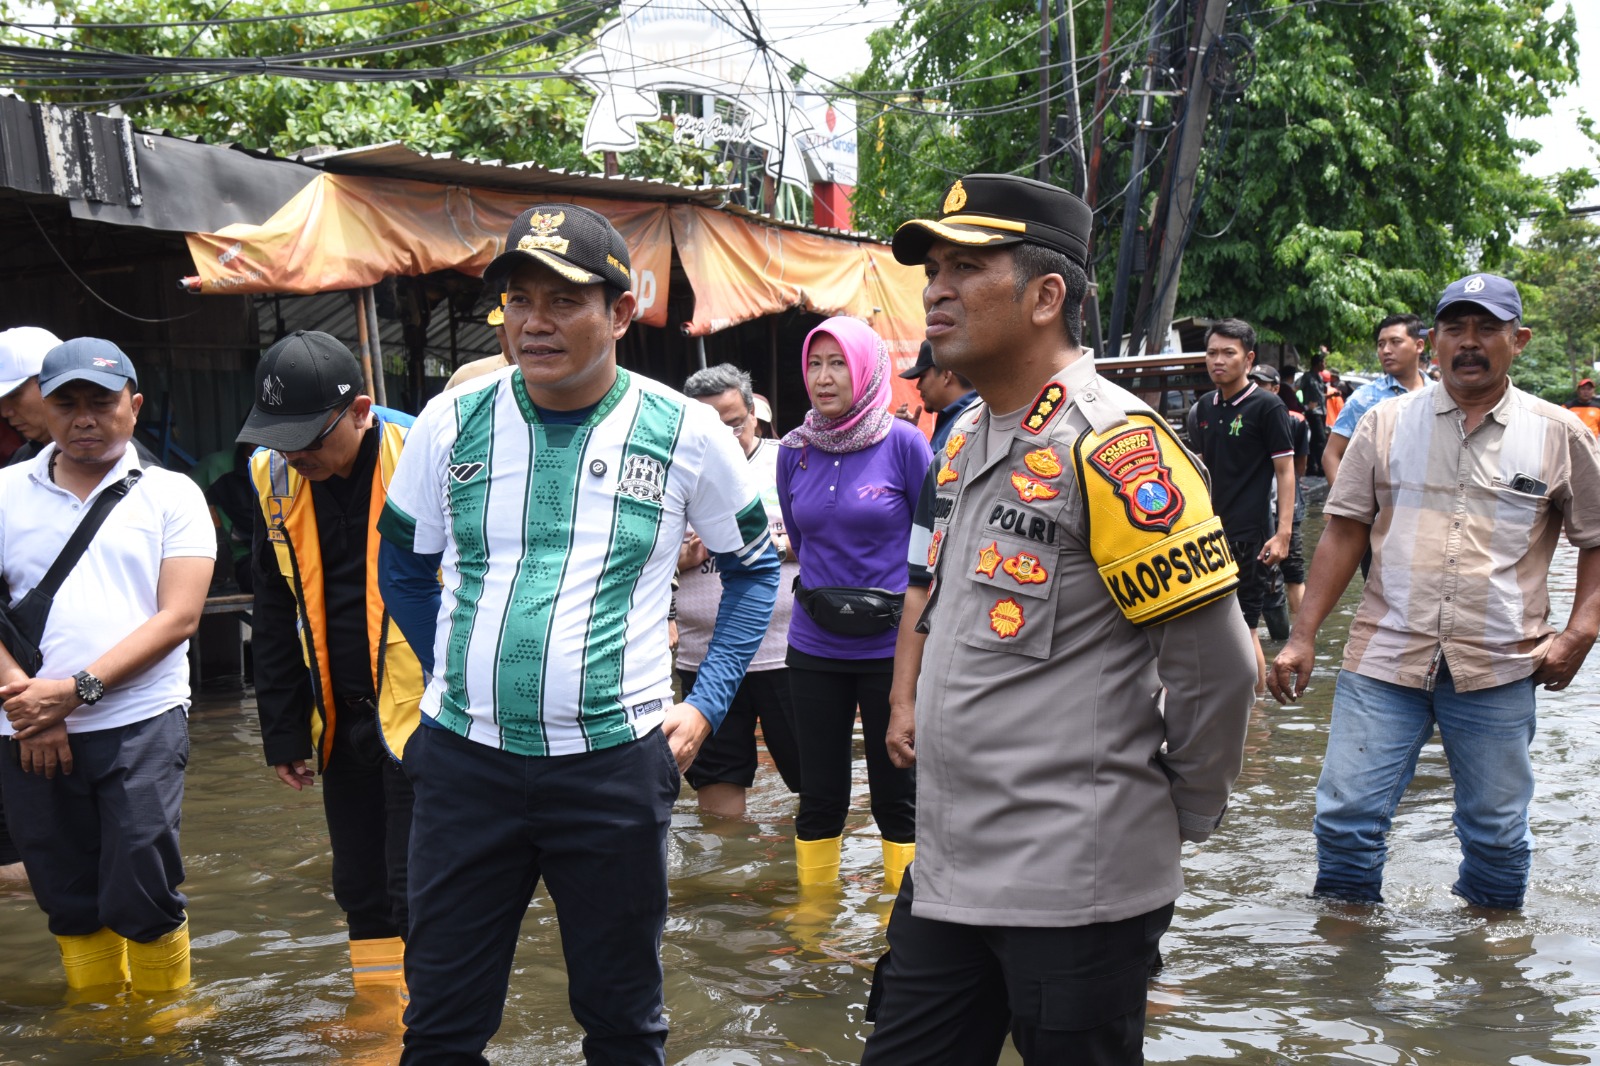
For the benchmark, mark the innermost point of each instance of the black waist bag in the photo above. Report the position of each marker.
(851, 612)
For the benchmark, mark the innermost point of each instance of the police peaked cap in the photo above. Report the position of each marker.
(995, 210)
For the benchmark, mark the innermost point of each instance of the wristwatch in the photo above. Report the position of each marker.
(90, 688)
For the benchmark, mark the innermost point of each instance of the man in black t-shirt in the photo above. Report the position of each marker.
(1242, 432)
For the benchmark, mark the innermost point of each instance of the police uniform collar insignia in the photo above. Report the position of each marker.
(1005, 618)
(1044, 407)
(541, 233)
(989, 559)
(955, 199)
(1029, 489)
(1043, 463)
(953, 446)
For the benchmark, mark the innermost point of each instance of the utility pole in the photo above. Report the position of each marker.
(1041, 169)
(1158, 294)
(1131, 193)
(1073, 134)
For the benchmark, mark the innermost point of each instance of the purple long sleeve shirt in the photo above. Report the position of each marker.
(848, 517)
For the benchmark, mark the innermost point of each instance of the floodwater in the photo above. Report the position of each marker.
(1255, 972)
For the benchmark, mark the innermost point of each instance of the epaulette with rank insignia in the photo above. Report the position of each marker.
(1159, 547)
(1044, 408)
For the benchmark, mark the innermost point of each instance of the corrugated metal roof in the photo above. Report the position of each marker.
(394, 159)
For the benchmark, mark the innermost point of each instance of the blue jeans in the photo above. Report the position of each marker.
(1377, 730)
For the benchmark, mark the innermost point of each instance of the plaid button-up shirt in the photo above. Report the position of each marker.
(1463, 529)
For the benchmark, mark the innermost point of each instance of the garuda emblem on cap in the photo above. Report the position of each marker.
(955, 199)
(542, 233)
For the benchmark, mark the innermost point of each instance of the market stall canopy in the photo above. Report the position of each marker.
(345, 231)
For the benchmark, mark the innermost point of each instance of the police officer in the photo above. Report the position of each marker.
(1077, 571)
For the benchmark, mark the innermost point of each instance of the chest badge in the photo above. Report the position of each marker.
(1133, 463)
(946, 475)
(1006, 619)
(988, 559)
(1025, 569)
(953, 446)
(1043, 462)
(1030, 489)
(644, 477)
(933, 547)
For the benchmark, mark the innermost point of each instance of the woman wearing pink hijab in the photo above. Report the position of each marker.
(848, 480)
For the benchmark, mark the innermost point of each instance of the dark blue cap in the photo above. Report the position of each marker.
(86, 359)
(1489, 291)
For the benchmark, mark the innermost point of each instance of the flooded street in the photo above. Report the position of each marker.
(1255, 972)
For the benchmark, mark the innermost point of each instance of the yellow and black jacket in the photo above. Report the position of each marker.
(290, 527)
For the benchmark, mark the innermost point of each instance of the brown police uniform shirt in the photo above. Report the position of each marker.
(1055, 781)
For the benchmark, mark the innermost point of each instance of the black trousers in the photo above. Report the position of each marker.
(489, 824)
(101, 843)
(947, 994)
(367, 800)
(729, 755)
(825, 704)
(8, 850)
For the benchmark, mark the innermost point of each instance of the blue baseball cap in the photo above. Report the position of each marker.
(1489, 291)
(86, 359)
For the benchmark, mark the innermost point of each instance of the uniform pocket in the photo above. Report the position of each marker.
(1012, 583)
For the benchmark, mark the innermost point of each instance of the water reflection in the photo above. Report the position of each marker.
(757, 975)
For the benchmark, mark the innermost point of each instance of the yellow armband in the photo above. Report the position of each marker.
(1160, 549)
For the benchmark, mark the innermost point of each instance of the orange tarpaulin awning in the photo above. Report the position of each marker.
(346, 232)
(349, 231)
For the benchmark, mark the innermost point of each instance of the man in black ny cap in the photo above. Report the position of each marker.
(554, 500)
(944, 392)
(335, 681)
(1081, 574)
(1462, 493)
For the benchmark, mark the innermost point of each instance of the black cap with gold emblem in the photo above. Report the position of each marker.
(579, 244)
(994, 210)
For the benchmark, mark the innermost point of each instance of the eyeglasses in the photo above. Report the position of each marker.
(316, 445)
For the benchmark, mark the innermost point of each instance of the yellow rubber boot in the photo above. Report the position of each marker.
(817, 860)
(101, 958)
(896, 857)
(378, 962)
(162, 965)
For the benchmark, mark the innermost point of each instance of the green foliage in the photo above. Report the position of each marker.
(1369, 162)
(1558, 274)
(483, 114)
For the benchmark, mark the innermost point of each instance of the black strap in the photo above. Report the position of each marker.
(78, 543)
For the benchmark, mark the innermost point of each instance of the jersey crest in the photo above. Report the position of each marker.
(644, 477)
(1159, 548)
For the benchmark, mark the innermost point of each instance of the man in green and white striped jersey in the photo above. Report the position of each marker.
(553, 500)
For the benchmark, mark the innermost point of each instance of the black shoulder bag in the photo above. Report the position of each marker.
(22, 626)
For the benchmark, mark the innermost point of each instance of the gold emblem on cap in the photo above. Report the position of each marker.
(542, 233)
(955, 199)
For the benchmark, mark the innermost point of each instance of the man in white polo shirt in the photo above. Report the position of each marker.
(98, 740)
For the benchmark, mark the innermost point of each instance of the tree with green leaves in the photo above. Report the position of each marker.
(1368, 161)
(1558, 274)
(487, 82)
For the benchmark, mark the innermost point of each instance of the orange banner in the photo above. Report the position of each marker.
(346, 232)
(741, 271)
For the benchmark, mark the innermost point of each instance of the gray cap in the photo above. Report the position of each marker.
(90, 359)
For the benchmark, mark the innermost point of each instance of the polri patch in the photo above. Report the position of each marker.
(1025, 569)
(1133, 463)
(988, 559)
(1043, 463)
(1006, 619)
(953, 446)
(946, 475)
(933, 547)
(1030, 489)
